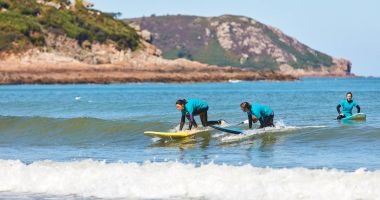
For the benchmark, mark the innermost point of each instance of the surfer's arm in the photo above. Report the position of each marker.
(182, 122)
(191, 121)
(249, 120)
(358, 107)
(338, 108)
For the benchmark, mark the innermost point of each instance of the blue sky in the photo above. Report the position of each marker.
(342, 28)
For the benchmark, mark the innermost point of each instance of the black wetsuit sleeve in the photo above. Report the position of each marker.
(250, 120)
(338, 108)
(190, 124)
(191, 121)
(358, 107)
(182, 122)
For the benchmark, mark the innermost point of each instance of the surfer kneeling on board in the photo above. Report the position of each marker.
(347, 106)
(190, 108)
(257, 112)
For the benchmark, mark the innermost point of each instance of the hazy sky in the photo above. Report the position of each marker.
(342, 28)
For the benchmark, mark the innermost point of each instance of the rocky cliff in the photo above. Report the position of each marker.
(237, 41)
(62, 41)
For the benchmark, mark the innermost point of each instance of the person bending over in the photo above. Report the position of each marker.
(257, 112)
(190, 108)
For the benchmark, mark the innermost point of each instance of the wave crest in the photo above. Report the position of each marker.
(173, 180)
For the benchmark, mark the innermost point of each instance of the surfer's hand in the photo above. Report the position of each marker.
(254, 119)
(341, 114)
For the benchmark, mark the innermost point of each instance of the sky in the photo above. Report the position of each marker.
(347, 29)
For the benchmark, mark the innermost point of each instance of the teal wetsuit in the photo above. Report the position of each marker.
(263, 113)
(347, 107)
(195, 107)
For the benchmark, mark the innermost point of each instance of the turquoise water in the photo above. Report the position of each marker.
(63, 124)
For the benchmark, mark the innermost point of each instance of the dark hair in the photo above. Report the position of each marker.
(349, 93)
(181, 101)
(245, 105)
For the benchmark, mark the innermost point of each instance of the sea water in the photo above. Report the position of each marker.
(87, 142)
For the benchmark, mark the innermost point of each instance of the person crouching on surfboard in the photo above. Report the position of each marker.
(257, 112)
(347, 106)
(192, 107)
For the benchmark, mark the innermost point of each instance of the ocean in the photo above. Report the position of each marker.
(86, 142)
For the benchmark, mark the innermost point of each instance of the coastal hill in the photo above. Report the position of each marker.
(67, 30)
(237, 41)
(63, 41)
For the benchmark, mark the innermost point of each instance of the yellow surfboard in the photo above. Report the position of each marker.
(179, 134)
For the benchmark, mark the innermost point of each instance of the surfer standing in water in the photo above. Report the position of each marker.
(347, 106)
(257, 112)
(192, 107)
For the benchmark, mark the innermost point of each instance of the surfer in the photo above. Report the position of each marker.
(257, 112)
(347, 106)
(192, 107)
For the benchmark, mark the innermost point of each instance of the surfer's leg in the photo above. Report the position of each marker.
(209, 123)
(267, 121)
(262, 122)
(270, 120)
(203, 116)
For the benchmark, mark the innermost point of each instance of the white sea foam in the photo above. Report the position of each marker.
(234, 81)
(176, 180)
(279, 127)
(155, 139)
(199, 128)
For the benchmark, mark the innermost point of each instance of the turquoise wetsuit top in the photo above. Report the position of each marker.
(193, 105)
(347, 107)
(260, 111)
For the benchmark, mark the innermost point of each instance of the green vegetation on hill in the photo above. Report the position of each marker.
(214, 54)
(252, 44)
(25, 23)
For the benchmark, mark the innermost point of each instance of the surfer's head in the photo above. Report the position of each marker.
(349, 96)
(245, 106)
(180, 104)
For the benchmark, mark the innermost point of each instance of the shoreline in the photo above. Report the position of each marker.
(78, 73)
(178, 71)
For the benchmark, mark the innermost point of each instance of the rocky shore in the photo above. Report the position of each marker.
(178, 71)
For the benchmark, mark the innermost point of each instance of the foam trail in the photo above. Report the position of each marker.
(176, 180)
(279, 127)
